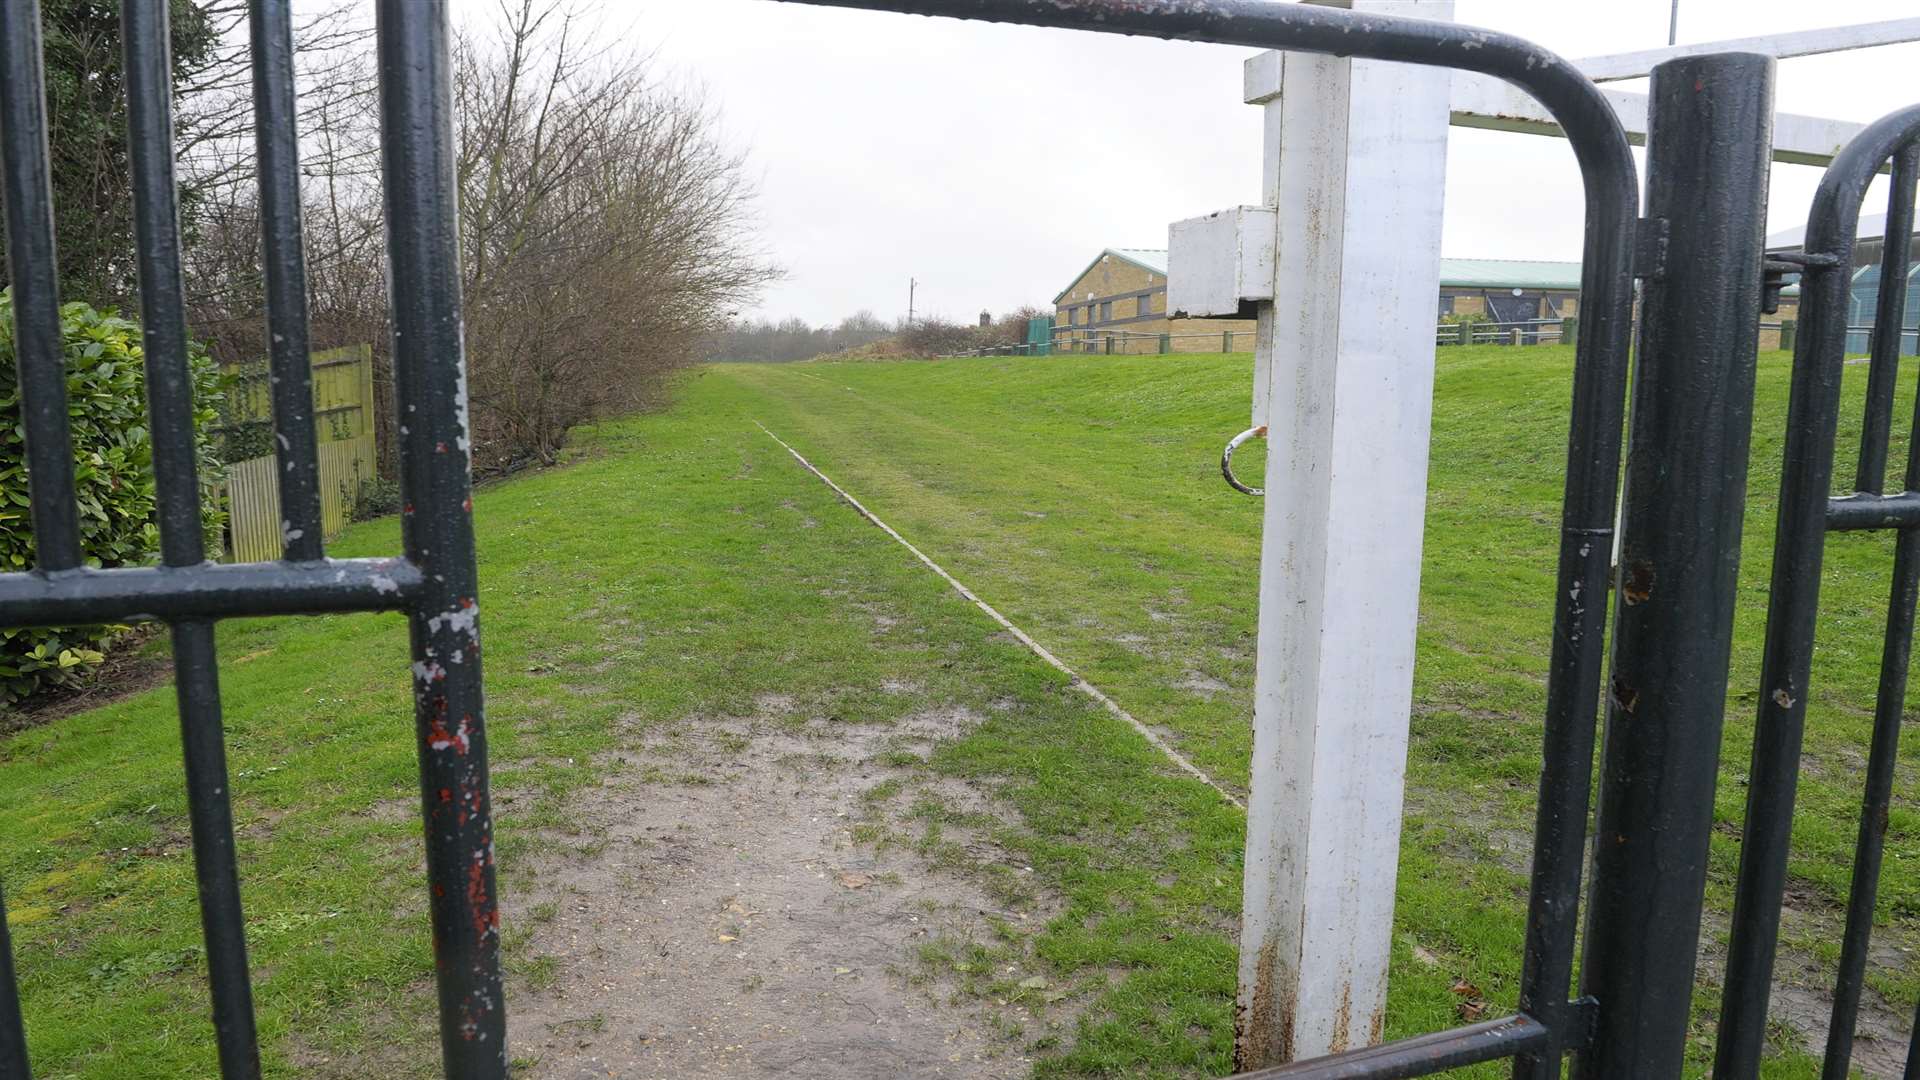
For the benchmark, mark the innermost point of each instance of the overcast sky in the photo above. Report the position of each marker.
(992, 162)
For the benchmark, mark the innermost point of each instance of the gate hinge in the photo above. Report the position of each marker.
(1778, 266)
(1583, 1015)
(1650, 249)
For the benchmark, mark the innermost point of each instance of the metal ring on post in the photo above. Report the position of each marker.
(1226, 460)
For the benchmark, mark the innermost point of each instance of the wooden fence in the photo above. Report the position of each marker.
(343, 417)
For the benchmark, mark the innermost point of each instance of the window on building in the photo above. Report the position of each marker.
(1146, 305)
(1106, 311)
(1446, 305)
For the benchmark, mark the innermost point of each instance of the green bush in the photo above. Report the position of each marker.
(113, 478)
(377, 497)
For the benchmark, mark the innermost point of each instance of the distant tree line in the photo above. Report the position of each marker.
(767, 342)
(865, 334)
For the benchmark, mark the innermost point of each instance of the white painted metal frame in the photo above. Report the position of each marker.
(1482, 102)
(1829, 39)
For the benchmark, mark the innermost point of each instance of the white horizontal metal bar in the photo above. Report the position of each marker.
(1482, 102)
(1829, 39)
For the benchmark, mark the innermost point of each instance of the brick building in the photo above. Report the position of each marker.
(1119, 302)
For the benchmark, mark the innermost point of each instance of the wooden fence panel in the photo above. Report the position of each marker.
(343, 413)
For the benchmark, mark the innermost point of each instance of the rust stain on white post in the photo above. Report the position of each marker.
(1356, 169)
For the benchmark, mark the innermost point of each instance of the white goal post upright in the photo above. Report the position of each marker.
(1341, 265)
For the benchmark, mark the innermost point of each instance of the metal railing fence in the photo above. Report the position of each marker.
(432, 581)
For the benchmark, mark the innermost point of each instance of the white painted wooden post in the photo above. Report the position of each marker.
(1357, 185)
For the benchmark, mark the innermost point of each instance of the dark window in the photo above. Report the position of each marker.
(1146, 304)
(1446, 305)
(1106, 311)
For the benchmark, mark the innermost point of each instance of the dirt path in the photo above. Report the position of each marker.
(712, 915)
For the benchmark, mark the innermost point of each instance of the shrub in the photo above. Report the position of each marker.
(936, 337)
(377, 497)
(113, 478)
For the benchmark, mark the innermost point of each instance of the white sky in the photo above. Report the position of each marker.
(992, 162)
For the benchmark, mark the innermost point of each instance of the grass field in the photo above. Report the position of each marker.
(685, 567)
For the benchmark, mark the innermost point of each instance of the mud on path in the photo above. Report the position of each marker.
(711, 914)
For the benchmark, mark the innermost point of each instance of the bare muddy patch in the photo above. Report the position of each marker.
(735, 926)
(1202, 685)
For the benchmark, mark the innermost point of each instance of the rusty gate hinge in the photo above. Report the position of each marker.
(1650, 249)
(1778, 266)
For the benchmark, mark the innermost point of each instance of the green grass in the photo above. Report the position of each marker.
(685, 566)
(1081, 497)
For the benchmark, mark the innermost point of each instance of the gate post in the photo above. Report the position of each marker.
(1355, 171)
(1709, 138)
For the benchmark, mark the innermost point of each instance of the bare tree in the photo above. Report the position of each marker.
(604, 229)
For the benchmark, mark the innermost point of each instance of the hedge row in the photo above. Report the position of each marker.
(113, 477)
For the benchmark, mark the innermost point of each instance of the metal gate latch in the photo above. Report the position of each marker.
(1226, 460)
(1779, 266)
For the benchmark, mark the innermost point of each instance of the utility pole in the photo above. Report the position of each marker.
(1673, 25)
(913, 286)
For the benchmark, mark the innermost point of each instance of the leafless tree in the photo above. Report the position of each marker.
(605, 231)
(604, 228)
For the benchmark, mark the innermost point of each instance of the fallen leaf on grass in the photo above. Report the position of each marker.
(854, 881)
(1473, 1007)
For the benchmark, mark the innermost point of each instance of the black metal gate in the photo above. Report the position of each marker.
(433, 581)
(1808, 512)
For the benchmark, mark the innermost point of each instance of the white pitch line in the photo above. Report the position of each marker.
(1039, 650)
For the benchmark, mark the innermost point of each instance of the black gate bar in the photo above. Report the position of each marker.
(163, 322)
(1897, 643)
(13, 1036)
(26, 186)
(1806, 513)
(1709, 134)
(1611, 184)
(1423, 1055)
(277, 151)
(1889, 322)
(436, 521)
